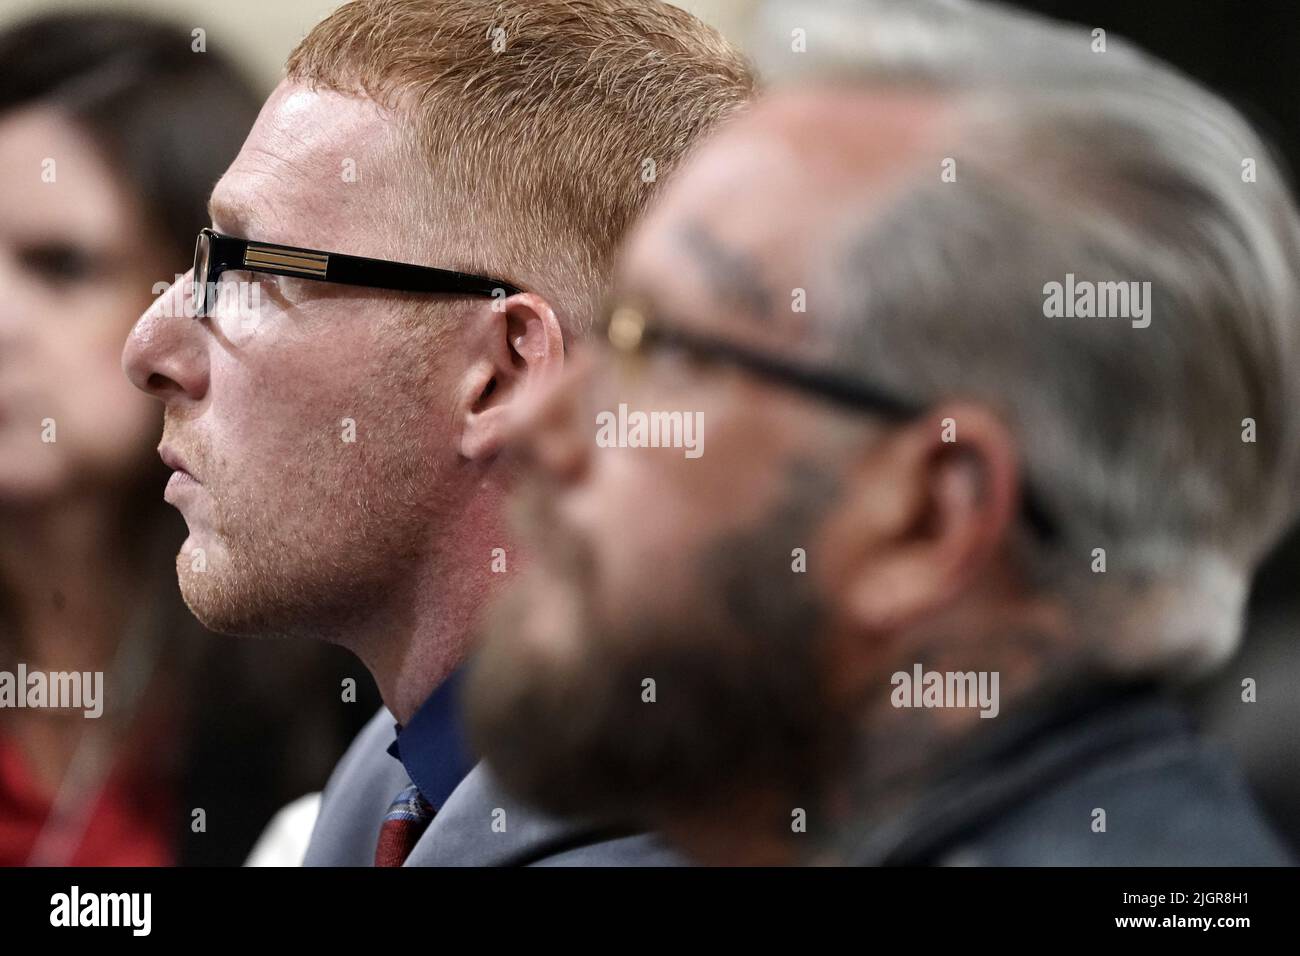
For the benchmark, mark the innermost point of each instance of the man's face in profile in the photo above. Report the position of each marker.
(666, 653)
(302, 417)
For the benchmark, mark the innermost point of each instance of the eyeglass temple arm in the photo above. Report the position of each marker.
(229, 254)
(837, 389)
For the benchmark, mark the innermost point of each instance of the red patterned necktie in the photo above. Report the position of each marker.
(405, 822)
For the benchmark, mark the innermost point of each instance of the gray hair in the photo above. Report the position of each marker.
(1111, 167)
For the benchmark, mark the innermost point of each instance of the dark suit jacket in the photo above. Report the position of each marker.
(1029, 797)
(479, 825)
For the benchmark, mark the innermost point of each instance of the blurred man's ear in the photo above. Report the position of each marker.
(924, 512)
(516, 348)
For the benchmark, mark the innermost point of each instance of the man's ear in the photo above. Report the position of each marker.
(516, 346)
(924, 512)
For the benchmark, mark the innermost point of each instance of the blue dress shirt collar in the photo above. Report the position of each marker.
(432, 746)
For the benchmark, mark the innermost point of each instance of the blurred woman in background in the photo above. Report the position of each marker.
(113, 131)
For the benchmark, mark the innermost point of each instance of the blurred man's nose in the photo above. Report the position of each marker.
(550, 434)
(165, 354)
(11, 305)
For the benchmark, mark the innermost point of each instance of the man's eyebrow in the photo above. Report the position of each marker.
(736, 277)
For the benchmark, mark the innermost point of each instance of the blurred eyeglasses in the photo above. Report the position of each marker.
(632, 333)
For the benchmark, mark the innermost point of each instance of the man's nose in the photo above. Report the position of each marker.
(550, 435)
(15, 304)
(165, 354)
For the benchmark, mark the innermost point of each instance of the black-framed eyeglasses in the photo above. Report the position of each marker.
(631, 332)
(215, 253)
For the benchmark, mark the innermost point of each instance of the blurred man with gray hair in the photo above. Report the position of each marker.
(990, 325)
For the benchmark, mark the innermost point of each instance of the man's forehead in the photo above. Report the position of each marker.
(762, 201)
(876, 127)
(311, 163)
(802, 148)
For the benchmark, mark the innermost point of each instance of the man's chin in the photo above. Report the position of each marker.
(523, 685)
(570, 726)
(222, 605)
(645, 722)
(215, 610)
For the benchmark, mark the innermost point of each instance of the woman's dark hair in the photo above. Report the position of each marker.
(252, 729)
(167, 118)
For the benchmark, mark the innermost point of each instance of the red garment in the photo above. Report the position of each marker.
(130, 823)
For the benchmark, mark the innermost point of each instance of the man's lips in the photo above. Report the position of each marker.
(173, 460)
